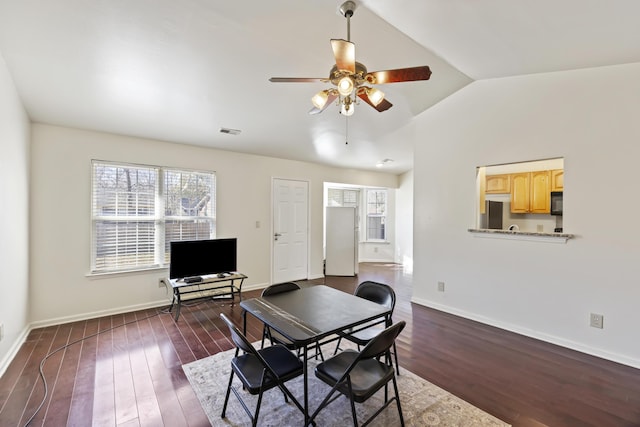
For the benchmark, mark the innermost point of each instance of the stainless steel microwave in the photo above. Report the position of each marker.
(556, 203)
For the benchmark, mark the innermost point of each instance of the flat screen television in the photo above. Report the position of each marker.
(191, 258)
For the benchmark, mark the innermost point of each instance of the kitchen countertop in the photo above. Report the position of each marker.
(521, 235)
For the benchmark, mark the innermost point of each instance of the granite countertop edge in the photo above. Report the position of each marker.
(519, 233)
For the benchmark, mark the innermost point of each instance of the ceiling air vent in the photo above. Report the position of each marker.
(230, 131)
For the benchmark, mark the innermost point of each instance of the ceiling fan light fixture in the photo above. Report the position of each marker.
(347, 107)
(347, 110)
(319, 100)
(351, 80)
(345, 86)
(376, 96)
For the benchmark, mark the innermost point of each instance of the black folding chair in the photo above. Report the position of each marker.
(379, 293)
(359, 375)
(273, 336)
(260, 370)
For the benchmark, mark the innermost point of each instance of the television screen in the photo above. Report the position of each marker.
(200, 257)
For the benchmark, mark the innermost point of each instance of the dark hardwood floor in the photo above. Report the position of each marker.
(127, 372)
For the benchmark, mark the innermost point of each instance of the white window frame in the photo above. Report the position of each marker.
(369, 215)
(198, 214)
(345, 197)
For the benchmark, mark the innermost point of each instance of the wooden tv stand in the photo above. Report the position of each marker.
(211, 286)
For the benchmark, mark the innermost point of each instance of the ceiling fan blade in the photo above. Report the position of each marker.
(384, 105)
(297, 79)
(332, 97)
(399, 75)
(345, 53)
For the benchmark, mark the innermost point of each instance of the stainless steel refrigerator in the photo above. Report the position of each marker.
(492, 218)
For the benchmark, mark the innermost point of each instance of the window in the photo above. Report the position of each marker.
(343, 197)
(374, 207)
(376, 214)
(138, 210)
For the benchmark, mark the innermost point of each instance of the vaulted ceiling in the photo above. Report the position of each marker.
(182, 70)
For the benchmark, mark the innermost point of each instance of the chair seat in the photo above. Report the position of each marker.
(278, 338)
(367, 377)
(364, 336)
(250, 370)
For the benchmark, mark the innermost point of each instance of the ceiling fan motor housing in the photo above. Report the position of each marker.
(359, 76)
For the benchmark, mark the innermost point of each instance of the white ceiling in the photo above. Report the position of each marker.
(181, 70)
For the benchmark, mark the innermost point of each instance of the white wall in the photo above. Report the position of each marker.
(61, 171)
(14, 218)
(588, 117)
(404, 222)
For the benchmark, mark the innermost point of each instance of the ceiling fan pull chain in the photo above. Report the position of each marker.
(346, 137)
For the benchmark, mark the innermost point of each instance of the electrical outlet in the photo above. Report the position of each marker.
(1, 331)
(440, 286)
(596, 320)
(161, 283)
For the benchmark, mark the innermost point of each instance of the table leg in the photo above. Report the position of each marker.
(306, 385)
(240, 289)
(178, 305)
(173, 301)
(244, 322)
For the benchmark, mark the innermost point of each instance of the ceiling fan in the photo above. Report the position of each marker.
(351, 78)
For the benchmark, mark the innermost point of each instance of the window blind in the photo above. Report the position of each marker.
(138, 210)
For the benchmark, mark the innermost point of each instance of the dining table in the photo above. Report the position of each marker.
(311, 316)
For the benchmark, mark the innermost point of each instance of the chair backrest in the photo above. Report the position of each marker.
(279, 288)
(382, 342)
(241, 342)
(377, 292)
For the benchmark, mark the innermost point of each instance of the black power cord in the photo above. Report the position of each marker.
(42, 362)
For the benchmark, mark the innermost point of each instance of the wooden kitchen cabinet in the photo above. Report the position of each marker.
(498, 184)
(557, 180)
(530, 192)
(540, 200)
(520, 192)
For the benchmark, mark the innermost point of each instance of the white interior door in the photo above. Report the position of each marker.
(290, 230)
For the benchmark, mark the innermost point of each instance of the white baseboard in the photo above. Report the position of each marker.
(253, 287)
(99, 313)
(13, 350)
(379, 260)
(603, 354)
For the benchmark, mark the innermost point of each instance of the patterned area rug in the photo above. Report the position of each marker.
(423, 404)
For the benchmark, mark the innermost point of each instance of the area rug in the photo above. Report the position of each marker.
(423, 404)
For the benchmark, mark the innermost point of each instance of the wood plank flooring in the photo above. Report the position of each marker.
(127, 369)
